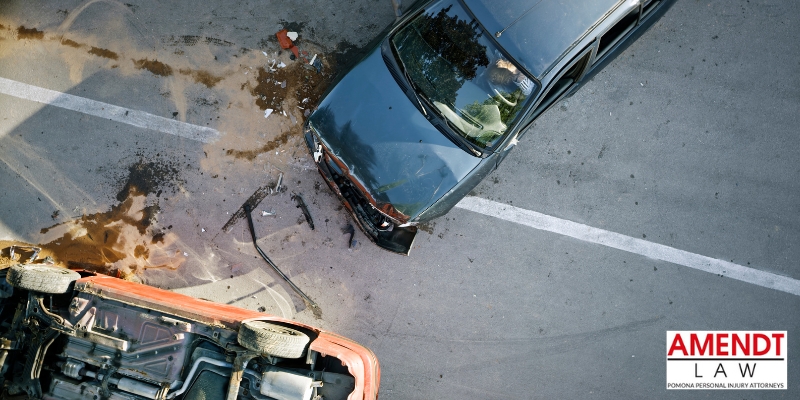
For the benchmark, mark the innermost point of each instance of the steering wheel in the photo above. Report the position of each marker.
(503, 99)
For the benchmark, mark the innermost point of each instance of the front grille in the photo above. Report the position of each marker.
(373, 220)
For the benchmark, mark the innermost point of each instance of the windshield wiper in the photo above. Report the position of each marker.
(411, 83)
(413, 89)
(458, 139)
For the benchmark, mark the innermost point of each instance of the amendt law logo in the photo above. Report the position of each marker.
(726, 359)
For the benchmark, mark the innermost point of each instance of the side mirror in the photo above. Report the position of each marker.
(396, 5)
(512, 143)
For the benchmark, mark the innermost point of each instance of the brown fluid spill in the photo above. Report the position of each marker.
(148, 177)
(71, 43)
(300, 83)
(241, 87)
(154, 66)
(121, 241)
(141, 251)
(103, 53)
(157, 238)
(32, 33)
(116, 242)
(204, 77)
(291, 89)
(250, 155)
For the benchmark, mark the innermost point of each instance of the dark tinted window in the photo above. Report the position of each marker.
(610, 38)
(649, 6)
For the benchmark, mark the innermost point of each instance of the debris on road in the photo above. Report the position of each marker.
(286, 42)
(349, 230)
(278, 187)
(309, 303)
(32, 250)
(252, 202)
(267, 112)
(302, 205)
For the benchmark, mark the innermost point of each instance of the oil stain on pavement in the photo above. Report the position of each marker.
(122, 241)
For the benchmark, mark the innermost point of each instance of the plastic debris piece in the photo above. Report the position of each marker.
(284, 112)
(265, 53)
(294, 120)
(283, 39)
(202, 229)
(185, 254)
(281, 65)
(283, 85)
(266, 213)
(316, 63)
(267, 112)
(351, 231)
(305, 100)
(303, 207)
(292, 35)
(306, 113)
(280, 180)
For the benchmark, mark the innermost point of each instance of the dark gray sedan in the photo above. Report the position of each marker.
(444, 94)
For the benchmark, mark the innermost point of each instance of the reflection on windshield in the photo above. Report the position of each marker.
(461, 73)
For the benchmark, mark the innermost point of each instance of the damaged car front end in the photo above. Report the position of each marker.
(444, 94)
(394, 234)
(414, 125)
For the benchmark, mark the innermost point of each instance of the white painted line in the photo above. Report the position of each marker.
(618, 241)
(95, 108)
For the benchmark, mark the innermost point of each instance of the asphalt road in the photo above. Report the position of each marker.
(688, 140)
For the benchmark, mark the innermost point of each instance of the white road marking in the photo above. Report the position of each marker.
(96, 108)
(618, 241)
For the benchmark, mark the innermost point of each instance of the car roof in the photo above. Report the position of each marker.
(537, 33)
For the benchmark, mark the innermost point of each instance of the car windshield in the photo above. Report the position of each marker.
(461, 73)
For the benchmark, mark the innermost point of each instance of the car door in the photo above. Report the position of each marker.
(616, 37)
(566, 79)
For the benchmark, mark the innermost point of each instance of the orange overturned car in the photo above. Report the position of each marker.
(68, 334)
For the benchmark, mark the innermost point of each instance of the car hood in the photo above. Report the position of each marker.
(386, 143)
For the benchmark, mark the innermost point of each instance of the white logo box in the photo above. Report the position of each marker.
(726, 360)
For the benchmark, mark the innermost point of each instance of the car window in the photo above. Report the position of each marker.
(453, 64)
(568, 77)
(648, 6)
(617, 32)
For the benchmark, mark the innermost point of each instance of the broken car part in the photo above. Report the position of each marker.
(351, 231)
(309, 303)
(33, 250)
(252, 201)
(278, 185)
(103, 337)
(302, 205)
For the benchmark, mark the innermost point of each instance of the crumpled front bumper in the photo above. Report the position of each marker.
(381, 229)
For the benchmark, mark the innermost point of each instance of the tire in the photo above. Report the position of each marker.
(276, 340)
(41, 278)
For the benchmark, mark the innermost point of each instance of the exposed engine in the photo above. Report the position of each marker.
(84, 345)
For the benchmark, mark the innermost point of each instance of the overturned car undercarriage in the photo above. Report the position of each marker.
(78, 335)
